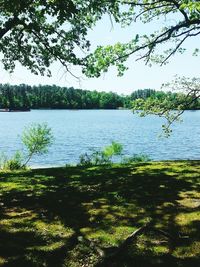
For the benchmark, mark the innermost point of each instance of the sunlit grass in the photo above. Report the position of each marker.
(45, 212)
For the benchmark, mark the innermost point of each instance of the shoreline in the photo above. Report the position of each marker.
(39, 167)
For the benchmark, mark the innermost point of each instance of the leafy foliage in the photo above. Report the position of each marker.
(37, 33)
(181, 19)
(101, 157)
(105, 156)
(37, 138)
(115, 149)
(13, 163)
(171, 106)
(94, 159)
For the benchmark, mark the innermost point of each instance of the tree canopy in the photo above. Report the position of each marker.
(37, 33)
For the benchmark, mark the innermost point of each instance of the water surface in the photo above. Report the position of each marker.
(79, 131)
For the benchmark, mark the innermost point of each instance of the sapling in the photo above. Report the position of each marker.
(36, 138)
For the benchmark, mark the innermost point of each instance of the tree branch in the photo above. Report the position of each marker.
(9, 25)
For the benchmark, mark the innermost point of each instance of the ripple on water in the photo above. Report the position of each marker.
(81, 131)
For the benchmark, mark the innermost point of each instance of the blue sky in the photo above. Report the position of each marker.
(138, 76)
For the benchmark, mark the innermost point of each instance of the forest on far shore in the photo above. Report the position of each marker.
(55, 97)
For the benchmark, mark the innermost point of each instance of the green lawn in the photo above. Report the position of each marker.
(47, 215)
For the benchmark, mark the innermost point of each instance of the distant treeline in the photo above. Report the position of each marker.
(55, 97)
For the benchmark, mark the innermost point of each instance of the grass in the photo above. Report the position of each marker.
(47, 214)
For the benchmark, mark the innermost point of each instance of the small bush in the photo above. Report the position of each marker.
(14, 163)
(137, 158)
(101, 157)
(85, 160)
(105, 156)
(37, 138)
(96, 158)
(115, 149)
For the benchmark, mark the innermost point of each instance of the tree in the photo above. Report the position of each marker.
(182, 21)
(36, 138)
(38, 32)
(187, 95)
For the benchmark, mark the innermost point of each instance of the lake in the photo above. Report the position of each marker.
(80, 131)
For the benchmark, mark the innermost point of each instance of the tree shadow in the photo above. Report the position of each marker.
(103, 204)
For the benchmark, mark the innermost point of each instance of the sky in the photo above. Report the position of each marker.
(138, 76)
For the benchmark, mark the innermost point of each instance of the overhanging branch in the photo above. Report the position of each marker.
(9, 25)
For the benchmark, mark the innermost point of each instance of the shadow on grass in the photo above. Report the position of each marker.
(44, 212)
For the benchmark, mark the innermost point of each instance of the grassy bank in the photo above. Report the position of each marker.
(50, 216)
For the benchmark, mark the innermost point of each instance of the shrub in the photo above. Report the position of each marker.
(96, 158)
(101, 157)
(105, 156)
(37, 138)
(85, 160)
(136, 158)
(14, 163)
(115, 149)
